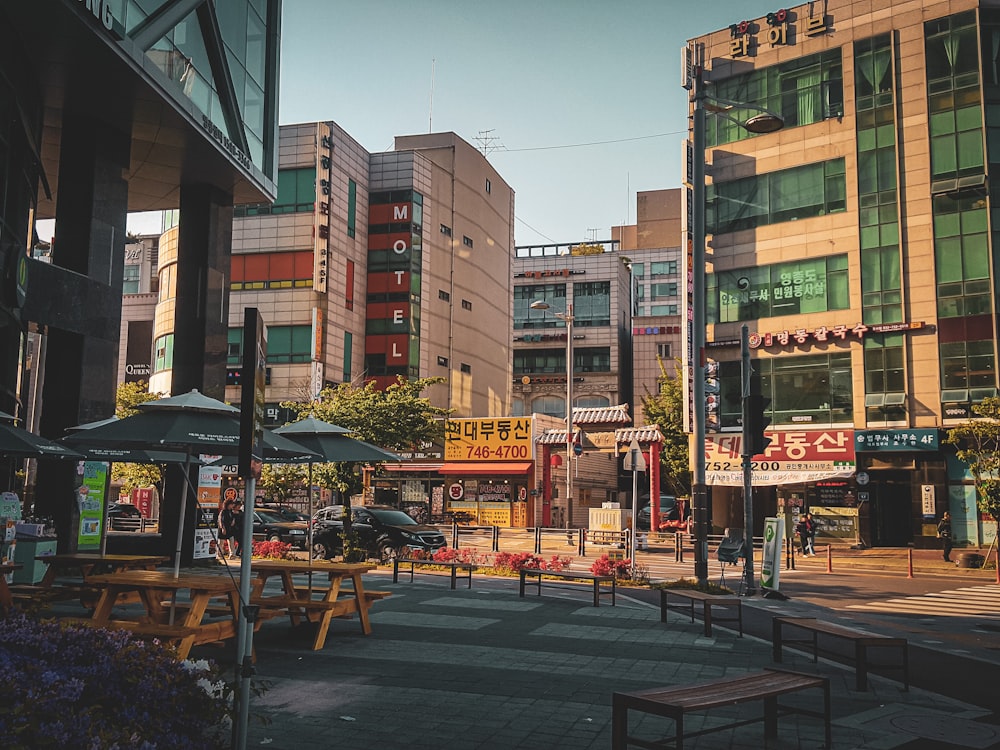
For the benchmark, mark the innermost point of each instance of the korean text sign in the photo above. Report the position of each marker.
(489, 439)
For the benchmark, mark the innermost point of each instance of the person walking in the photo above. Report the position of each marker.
(226, 525)
(944, 531)
(236, 541)
(806, 529)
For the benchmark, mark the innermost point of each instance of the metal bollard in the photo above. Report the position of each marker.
(829, 558)
(454, 534)
(538, 540)
(496, 538)
(582, 548)
(909, 562)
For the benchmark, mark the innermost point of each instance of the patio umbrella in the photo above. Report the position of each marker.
(189, 424)
(17, 442)
(333, 444)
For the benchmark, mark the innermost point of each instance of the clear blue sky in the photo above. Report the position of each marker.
(541, 75)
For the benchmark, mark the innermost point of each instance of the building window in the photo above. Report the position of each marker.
(663, 310)
(592, 303)
(446, 230)
(666, 290)
(442, 294)
(592, 359)
(663, 268)
(802, 91)
(553, 406)
(163, 353)
(168, 282)
(348, 357)
(349, 286)
(526, 317)
(130, 280)
(639, 269)
(803, 390)
(533, 361)
(591, 402)
(296, 194)
(443, 361)
(663, 351)
(234, 348)
(466, 304)
(259, 271)
(489, 186)
(815, 285)
(466, 368)
(787, 195)
(289, 344)
(467, 241)
(352, 207)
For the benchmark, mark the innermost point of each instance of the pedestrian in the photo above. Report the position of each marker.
(236, 540)
(944, 531)
(225, 524)
(806, 529)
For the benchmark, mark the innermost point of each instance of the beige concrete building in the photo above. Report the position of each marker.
(857, 245)
(370, 266)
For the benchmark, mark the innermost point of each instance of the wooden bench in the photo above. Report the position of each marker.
(708, 602)
(571, 575)
(678, 701)
(454, 565)
(182, 637)
(862, 642)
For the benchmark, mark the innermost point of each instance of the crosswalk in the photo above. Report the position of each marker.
(971, 601)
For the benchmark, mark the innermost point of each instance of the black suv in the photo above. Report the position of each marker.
(383, 531)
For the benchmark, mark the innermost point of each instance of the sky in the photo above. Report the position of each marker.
(533, 80)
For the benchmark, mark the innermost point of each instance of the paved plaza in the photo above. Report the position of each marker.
(483, 668)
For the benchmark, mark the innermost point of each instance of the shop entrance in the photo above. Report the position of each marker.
(891, 507)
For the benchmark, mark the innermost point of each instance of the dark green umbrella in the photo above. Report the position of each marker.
(17, 442)
(333, 444)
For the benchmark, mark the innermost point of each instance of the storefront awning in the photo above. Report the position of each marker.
(484, 468)
(408, 468)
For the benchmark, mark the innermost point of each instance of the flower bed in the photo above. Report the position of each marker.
(72, 686)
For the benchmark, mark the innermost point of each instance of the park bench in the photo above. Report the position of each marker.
(572, 575)
(676, 702)
(709, 603)
(862, 642)
(454, 565)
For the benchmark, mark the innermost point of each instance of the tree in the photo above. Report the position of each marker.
(978, 442)
(132, 476)
(666, 409)
(397, 418)
(277, 480)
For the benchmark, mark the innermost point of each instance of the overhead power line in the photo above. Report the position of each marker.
(596, 143)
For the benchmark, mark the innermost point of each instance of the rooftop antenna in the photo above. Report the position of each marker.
(488, 143)
(593, 233)
(430, 115)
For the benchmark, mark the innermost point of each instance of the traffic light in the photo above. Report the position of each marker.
(755, 404)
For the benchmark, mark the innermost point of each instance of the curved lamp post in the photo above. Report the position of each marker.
(762, 122)
(568, 318)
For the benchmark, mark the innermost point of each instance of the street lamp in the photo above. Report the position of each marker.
(762, 122)
(568, 318)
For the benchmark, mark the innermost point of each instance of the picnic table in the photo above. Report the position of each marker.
(318, 601)
(183, 624)
(61, 566)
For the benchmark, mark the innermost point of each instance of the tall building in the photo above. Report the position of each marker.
(653, 248)
(117, 107)
(856, 244)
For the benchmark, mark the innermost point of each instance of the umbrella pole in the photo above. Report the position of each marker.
(311, 511)
(180, 521)
(248, 615)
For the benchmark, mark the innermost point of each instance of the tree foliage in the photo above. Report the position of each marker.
(397, 418)
(587, 249)
(978, 445)
(277, 480)
(666, 409)
(132, 476)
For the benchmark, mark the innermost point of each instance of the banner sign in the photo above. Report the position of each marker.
(770, 568)
(507, 439)
(90, 498)
(794, 456)
(835, 523)
(869, 441)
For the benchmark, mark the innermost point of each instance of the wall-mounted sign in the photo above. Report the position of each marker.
(507, 439)
(896, 440)
(654, 330)
(794, 456)
(822, 334)
(744, 34)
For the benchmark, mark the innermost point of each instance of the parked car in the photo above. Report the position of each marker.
(276, 528)
(383, 531)
(124, 517)
(289, 514)
(328, 514)
(670, 514)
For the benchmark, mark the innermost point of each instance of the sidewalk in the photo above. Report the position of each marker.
(898, 559)
(483, 668)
